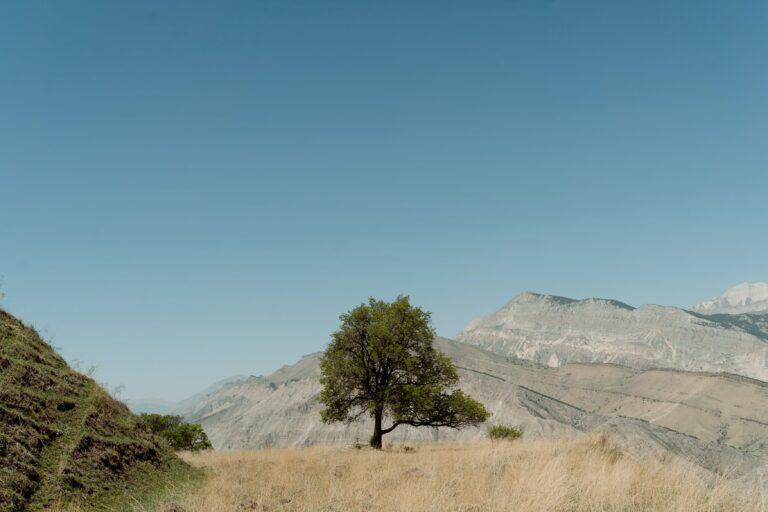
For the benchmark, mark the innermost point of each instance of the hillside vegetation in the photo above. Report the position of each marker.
(584, 474)
(63, 438)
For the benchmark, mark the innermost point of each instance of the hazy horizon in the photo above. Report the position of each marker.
(193, 191)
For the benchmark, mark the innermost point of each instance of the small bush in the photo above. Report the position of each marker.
(505, 432)
(180, 435)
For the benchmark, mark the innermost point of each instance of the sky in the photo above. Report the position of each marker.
(193, 190)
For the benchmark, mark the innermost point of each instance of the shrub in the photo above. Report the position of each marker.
(180, 435)
(504, 432)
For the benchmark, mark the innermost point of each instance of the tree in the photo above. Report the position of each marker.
(159, 423)
(179, 434)
(189, 436)
(381, 362)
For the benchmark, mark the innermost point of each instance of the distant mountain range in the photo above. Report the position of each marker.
(160, 406)
(742, 298)
(557, 330)
(658, 379)
(150, 405)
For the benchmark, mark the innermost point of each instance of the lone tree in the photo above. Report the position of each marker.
(381, 362)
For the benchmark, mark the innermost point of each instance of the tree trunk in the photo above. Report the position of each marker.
(378, 417)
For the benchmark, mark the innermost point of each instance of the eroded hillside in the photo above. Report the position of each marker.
(62, 437)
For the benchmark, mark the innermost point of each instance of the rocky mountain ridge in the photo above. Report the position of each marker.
(739, 299)
(555, 330)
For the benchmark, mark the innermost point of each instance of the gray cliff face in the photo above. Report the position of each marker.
(555, 331)
(719, 421)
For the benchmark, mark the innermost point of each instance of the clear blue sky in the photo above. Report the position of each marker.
(192, 190)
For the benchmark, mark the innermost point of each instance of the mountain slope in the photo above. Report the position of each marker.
(742, 298)
(181, 408)
(160, 406)
(62, 437)
(719, 421)
(555, 330)
(150, 405)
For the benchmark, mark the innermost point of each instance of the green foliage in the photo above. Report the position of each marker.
(505, 432)
(381, 362)
(159, 423)
(179, 434)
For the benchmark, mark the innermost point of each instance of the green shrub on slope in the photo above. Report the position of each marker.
(179, 434)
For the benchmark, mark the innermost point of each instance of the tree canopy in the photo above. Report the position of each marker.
(179, 434)
(382, 363)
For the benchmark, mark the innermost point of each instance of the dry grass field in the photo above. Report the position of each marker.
(586, 474)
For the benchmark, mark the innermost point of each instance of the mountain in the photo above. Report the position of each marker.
(556, 330)
(181, 408)
(160, 406)
(742, 298)
(150, 405)
(62, 437)
(718, 421)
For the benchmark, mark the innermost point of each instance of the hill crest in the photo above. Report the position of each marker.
(62, 437)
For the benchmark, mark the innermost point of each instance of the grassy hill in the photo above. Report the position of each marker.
(63, 439)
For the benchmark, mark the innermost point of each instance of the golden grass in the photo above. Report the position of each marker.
(586, 474)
